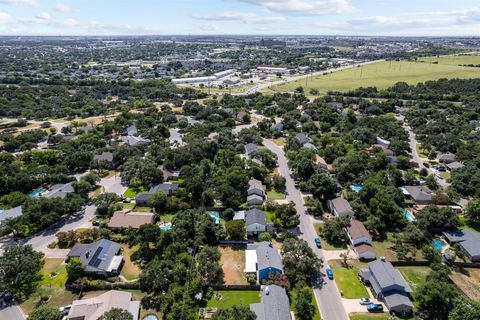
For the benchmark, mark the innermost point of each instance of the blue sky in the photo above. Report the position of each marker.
(309, 17)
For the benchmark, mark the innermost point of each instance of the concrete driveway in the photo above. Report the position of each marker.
(327, 297)
(113, 184)
(11, 312)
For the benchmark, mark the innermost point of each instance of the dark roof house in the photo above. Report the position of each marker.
(250, 148)
(274, 304)
(104, 156)
(419, 194)
(467, 240)
(302, 138)
(60, 190)
(340, 207)
(100, 257)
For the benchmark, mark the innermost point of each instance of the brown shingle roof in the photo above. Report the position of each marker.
(357, 230)
(130, 219)
(362, 248)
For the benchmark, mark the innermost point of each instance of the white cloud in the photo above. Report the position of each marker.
(43, 16)
(62, 7)
(5, 17)
(30, 3)
(305, 7)
(237, 16)
(208, 27)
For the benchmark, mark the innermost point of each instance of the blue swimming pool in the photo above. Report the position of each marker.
(150, 317)
(439, 245)
(407, 214)
(166, 226)
(356, 187)
(37, 193)
(215, 215)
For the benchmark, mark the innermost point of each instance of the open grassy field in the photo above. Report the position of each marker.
(274, 195)
(132, 192)
(453, 60)
(347, 281)
(227, 299)
(130, 271)
(381, 75)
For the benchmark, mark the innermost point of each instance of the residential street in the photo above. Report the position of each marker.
(41, 240)
(12, 312)
(328, 297)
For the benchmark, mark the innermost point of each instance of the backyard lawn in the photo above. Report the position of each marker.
(384, 249)
(347, 281)
(132, 192)
(415, 276)
(368, 316)
(130, 270)
(293, 297)
(274, 195)
(227, 299)
(233, 265)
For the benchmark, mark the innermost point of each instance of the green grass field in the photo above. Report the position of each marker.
(368, 316)
(453, 60)
(227, 299)
(274, 195)
(347, 281)
(381, 75)
(132, 192)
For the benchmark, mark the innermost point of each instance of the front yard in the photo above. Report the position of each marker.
(368, 316)
(348, 282)
(325, 244)
(233, 265)
(230, 298)
(293, 297)
(274, 195)
(132, 192)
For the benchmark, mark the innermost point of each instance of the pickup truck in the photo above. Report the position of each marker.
(375, 307)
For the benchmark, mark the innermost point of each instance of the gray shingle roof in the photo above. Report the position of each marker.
(302, 138)
(386, 276)
(166, 188)
(341, 205)
(419, 193)
(60, 190)
(10, 213)
(96, 255)
(467, 239)
(274, 304)
(250, 148)
(255, 216)
(104, 156)
(268, 256)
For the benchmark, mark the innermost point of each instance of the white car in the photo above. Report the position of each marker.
(365, 301)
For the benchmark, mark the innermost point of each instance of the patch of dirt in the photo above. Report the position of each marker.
(468, 283)
(233, 265)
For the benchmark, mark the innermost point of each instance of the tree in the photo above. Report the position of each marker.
(45, 313)
(105, 203)
(286, 216)
(299, 261)
(21, 270)
(116, 314)
(234, 313)
(334, 230)
(465, 309)
(208, 265)
(158, 201)
(304, 309)
(279, 183)
(74, 269)
(472, 211)
(322, 185)
(235, 229)
(264, 236)
(436, 298)
(142, 172)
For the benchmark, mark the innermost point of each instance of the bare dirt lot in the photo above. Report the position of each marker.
(233, 264)
(469, 283)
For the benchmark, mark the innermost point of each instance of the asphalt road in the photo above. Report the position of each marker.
(40, 241)
(327, 297)
(12, 312)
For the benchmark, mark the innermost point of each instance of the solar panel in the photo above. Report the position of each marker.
(95, 261)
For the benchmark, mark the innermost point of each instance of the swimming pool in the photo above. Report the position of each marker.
(439, 245)
(37, 193)
(215, 215)
(407, 214)
(356, 187)
(166, 226)
(150, 317)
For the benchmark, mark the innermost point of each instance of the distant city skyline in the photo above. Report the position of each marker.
(224, 17)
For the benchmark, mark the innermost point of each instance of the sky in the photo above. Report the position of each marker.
(262, 17)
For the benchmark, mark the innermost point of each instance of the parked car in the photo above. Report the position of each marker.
(438, 176)
(65, 309)
(318, 242)
(95, 223)
(329, 273)
(7, 296)
(375, 307)
(365, 301)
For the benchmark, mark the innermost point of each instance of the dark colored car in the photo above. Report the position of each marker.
(375, 307)
(318, 242)
(7, 296)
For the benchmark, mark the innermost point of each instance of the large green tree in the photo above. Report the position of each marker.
(45, 313)
(116, 314)
(234, 313)
(304, 309)
(299, 261)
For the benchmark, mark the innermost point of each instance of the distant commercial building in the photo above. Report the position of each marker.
(194, 80)
(274, 70)
(223, 74)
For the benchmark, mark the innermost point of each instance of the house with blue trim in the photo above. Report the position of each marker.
(263, 259)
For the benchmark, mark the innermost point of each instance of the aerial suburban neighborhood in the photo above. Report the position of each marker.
(242, 174)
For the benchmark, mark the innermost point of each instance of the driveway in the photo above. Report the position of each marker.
(40, 241)
(113, 184)
(327, 297)
(12, 312)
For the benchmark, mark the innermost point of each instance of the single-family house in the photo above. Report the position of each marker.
(254, 200)
(419, 194)
(383, 143)
(263, 259)
(447, 157)
(10, 213)
(302, 138)
(320, 163)
(274, 304)
(143, 198)
(169, 174)
(311, 146)
(250, 148)
(130, 219)
(100, 258)
(278, 127)
(467, 240)
(454, 165)
(340, 207)
(105, 157)
(255, 222)
(388, 285)
(130, 130)
(255, 187)
(240, 116)
(361, 240)
(134, 141)
(60, 190)
(94, 308)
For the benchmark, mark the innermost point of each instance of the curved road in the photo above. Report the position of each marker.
(328, 298)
